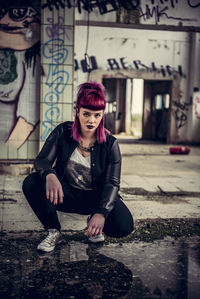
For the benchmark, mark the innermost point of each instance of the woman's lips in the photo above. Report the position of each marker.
(90, 127)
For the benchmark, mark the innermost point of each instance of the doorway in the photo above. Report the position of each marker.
(115, 90)
(156, 110)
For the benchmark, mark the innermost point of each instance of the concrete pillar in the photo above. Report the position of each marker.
(190, 86)
(57, 60)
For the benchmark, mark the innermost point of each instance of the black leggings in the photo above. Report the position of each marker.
(118, 223)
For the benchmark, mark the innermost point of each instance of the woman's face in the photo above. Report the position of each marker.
(89, 119)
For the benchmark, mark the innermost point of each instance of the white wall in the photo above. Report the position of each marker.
(132, 49)
(172, 55)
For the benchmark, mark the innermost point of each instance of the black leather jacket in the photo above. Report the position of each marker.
(105, 163)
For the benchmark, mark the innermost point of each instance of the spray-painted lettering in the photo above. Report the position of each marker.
(171, 2)
(121, 63)
(57, 29)
(180, 113)
(140, 66)
(55, 3)
(158, 12)
(55, 49)
(104, 6)
(56, 80)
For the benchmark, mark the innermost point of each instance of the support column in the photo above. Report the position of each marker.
(57, 61)
(190, 86)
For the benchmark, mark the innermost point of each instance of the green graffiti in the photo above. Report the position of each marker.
(8, 66)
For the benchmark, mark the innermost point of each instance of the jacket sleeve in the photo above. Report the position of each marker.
(112, 181)
(44, 161)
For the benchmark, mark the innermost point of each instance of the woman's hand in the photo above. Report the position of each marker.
(54, 190)
(95, 225)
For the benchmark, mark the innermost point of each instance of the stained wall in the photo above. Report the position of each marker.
(150, 53)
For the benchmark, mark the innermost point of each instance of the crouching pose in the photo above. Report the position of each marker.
(86, 175)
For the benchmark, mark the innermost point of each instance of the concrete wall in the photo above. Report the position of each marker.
(35, 97)
(149, 54)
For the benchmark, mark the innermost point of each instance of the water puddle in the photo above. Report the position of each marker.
(166, 268)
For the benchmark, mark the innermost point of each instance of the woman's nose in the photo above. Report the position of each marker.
(91, 120)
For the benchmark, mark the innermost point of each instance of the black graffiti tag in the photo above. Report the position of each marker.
(104, 6)
(56, 4)
(172, 2)
(181, 118)
(157, 13)
(180, 113)
(193, 5)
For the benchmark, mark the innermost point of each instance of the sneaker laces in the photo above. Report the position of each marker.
(51, 237)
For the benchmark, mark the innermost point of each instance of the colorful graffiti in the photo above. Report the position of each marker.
(56, 62)
(19, 49)
(57, 28)
(55, 51)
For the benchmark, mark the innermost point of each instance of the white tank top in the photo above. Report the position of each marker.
(78, 171)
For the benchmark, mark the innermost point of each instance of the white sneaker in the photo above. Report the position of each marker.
(53, 238)
(97, 238)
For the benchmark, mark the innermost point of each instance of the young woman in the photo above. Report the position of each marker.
(86, 175)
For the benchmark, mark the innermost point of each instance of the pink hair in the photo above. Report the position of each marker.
(91, 96)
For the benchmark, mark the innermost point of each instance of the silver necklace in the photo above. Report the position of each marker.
(85, 148)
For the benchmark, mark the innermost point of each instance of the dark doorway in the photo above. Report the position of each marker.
(156, 110)
(115, 104)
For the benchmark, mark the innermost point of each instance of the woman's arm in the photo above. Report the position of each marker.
(43, 164)
(45, 159)
(109, 192)
(112, 181)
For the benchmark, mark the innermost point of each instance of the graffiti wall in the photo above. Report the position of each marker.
(147, 12)
(57, 43)
(36, 70)
(152, 55)
(170, 12)
(19, 76)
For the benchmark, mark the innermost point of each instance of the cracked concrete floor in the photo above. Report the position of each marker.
(165, 268)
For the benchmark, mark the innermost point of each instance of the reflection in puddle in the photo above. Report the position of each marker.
(164, 269)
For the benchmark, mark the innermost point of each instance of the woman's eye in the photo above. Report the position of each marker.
(85, 114)
(98, 115)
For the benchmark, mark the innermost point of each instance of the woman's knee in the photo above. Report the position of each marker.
(31, 183)
(119, 231)
(120, 221)
(124, 228)
(127, 227)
